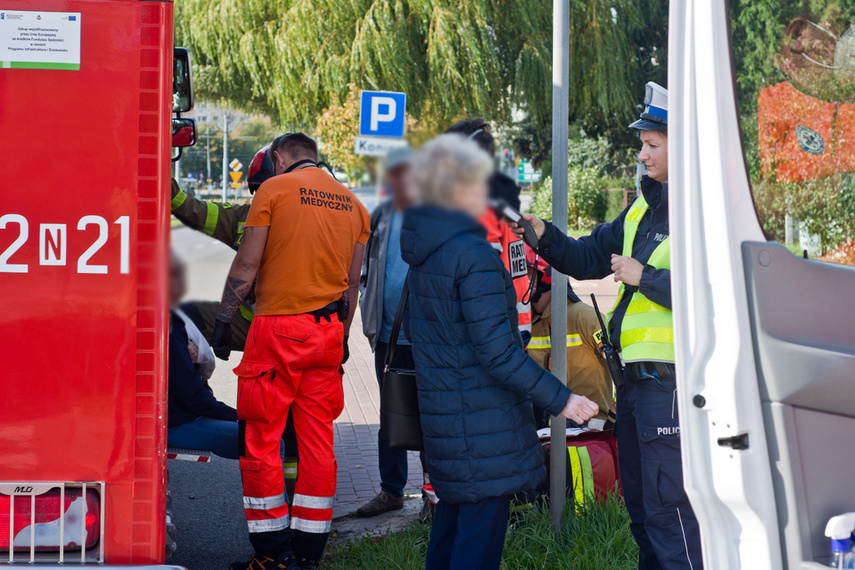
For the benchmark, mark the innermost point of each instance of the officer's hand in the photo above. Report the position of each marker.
(221, 339)
(345, 351)
(536, 224)
(627, 269)
(579, 409)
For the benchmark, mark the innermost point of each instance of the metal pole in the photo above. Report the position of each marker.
(208, 151)
(558, 358)
(225, 157)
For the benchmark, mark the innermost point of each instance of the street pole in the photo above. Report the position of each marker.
(208, 151)
(225, 157)
(558, 358)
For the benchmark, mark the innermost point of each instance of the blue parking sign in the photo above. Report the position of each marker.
(381, 114)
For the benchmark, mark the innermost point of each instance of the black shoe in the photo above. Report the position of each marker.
(383, 502)
(284, 562)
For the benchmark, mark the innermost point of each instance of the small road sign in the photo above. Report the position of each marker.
(376, 146)
(235, 176)
(235, 164)
(381, 114)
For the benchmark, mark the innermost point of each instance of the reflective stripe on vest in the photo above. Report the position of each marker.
(647, 330)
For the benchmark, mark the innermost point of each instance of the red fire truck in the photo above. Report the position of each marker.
(87, 95)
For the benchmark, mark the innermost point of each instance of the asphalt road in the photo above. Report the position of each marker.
(206, 497)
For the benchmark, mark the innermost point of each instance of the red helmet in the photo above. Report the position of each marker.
(538, 264)
(260, 169)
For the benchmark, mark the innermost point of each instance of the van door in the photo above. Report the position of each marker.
(762, 151)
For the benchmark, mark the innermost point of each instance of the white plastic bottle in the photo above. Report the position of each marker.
(840, 530)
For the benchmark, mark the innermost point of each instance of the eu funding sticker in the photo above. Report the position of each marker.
(39, 40)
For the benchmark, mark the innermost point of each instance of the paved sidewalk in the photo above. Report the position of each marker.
(356, 431)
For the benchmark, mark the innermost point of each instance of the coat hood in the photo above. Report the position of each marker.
(427, 228)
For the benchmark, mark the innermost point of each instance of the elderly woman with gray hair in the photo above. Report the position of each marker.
(476, 384)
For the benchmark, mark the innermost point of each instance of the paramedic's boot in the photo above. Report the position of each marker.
(383, 502)
(284, 562)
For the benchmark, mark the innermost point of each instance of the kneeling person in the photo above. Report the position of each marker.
(304, 239)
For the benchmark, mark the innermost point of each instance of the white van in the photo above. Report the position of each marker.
(765, 337)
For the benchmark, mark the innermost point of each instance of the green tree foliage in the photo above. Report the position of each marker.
(293, 59)
(587, 203)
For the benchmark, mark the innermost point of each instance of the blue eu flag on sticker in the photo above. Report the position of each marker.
(72, 18)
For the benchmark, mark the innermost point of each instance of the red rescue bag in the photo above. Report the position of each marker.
(591, 466)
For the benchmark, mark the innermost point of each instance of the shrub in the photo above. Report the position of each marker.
(587, 203)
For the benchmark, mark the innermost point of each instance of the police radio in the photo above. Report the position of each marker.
(609, 350)
(505, 210)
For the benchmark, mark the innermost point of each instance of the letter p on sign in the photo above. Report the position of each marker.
(382, 114)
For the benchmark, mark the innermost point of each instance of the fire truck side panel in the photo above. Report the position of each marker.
(83, 267)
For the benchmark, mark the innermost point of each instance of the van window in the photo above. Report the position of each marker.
(795, 80)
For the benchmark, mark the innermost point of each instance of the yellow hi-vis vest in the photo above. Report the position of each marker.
(647, 330)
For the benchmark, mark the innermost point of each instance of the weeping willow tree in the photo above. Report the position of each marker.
(292, 59)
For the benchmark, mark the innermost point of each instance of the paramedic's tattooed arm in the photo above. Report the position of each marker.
(233, 296)
(243, 272)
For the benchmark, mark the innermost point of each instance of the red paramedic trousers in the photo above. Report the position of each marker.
(290, 362)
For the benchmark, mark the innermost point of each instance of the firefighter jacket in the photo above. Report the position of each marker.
(222, 221)
(475, 382)
(587, 374)
(802, 138)
(589, 257)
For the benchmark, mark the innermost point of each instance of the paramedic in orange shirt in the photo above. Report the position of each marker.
(304, 239)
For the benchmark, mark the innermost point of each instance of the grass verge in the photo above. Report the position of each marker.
(598, 539)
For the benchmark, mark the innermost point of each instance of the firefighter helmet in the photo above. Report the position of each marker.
(260, 169)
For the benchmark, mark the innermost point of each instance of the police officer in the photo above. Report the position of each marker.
(635, 247)
(225, 223)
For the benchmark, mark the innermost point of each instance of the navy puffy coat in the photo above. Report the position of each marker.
(476, 383)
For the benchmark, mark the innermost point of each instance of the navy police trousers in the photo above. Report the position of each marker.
(651, 471)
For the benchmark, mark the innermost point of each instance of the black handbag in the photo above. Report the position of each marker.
(400, 422)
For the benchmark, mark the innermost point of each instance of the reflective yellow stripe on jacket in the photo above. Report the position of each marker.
(647, 330)
(544, 342)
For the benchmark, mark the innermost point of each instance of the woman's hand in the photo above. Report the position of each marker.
(627, 269)
(194, 351)
(579, 409)
(536, 223)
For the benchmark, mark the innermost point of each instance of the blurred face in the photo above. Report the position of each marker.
(654, 154)
(398, 180)
(471, 198)
(177, 282)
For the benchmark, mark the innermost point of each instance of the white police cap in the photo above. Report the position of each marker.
(655, 114)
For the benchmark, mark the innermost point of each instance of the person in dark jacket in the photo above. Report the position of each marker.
(196, 419)
(636, 248)
(475, 382)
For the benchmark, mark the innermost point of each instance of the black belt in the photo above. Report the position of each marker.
(334, 308)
